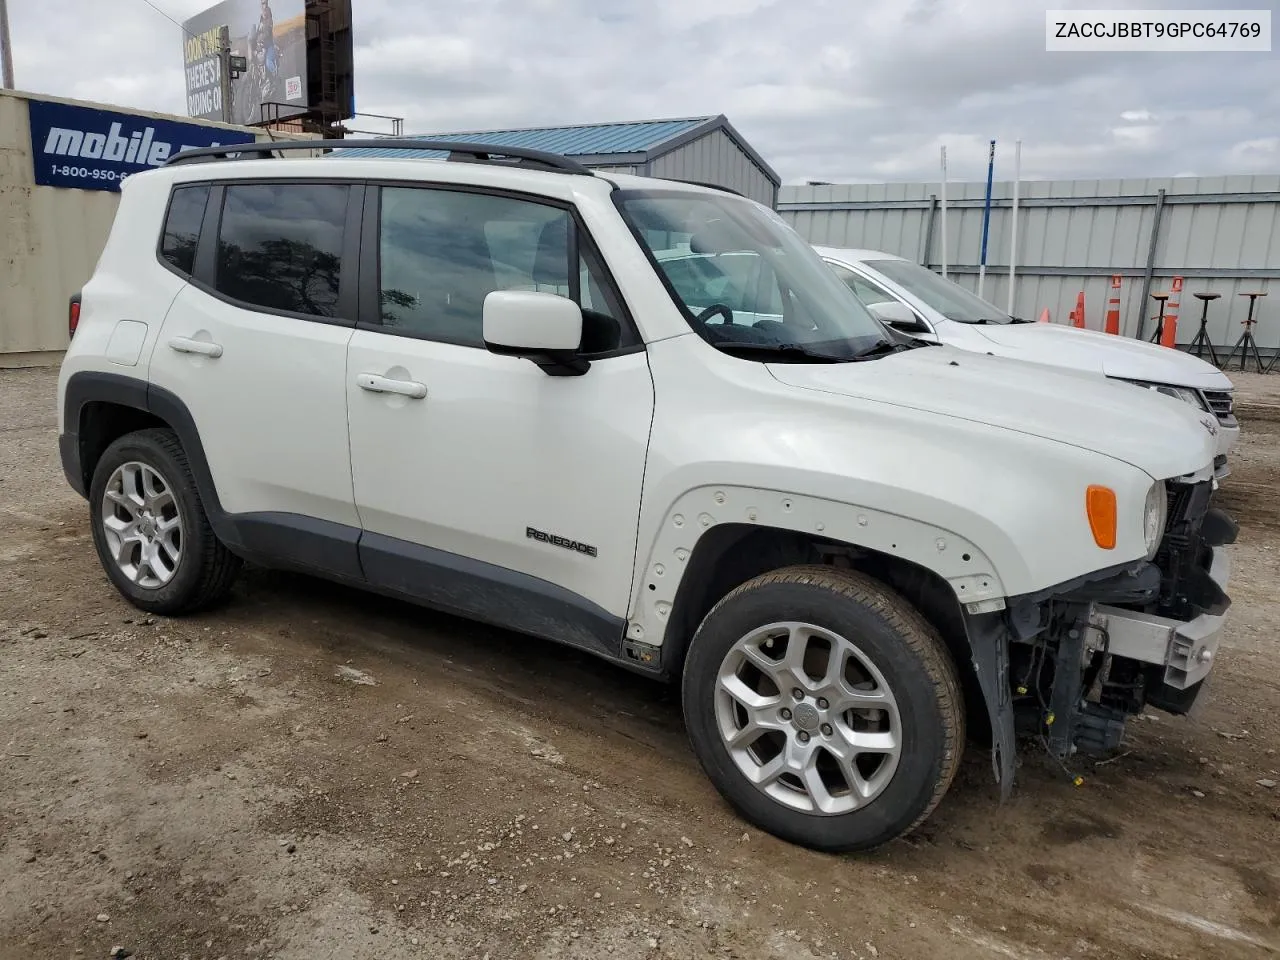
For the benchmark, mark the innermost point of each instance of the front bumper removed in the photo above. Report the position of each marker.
(1184, 650)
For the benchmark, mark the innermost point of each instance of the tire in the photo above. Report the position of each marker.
(191, 569)
(888, 647)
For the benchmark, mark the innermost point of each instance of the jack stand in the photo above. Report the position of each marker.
(1247, 343)
(1202, 338)
(1160, 298)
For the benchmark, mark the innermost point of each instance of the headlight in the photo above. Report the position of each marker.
(1185, 394)
(1154, 516)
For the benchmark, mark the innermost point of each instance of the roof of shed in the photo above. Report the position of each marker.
(621, 143)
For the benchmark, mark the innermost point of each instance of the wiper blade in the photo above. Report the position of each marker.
(879, 348)
(786, 350)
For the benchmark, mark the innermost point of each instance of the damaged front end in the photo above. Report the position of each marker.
(1071, 664)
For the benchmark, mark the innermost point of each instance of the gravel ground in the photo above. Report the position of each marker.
(313, 773)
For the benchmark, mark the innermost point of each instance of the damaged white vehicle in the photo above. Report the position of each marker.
(488, 387)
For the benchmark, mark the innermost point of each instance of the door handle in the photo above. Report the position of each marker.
(405, 388)
(202, 347)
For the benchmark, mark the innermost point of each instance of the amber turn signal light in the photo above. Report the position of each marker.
(1100, 505)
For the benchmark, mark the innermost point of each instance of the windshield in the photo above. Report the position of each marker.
(745, 280)
(950, 299)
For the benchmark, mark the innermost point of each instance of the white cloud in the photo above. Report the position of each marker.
(824, 89)
(1256, 156)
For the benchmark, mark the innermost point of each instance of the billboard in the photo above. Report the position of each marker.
(90, 149)
(272, 36)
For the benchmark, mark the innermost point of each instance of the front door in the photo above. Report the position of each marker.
(483, 484)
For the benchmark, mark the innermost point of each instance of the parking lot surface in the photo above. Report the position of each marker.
(309, 772)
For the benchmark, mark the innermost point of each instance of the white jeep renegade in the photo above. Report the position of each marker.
(472, 385)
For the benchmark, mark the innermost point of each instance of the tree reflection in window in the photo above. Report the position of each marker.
(281, 274)
(395, 298)
(280, 246)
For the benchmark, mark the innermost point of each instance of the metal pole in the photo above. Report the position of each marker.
(1013, 227)
(986, 216)
(942, 207)
(224, 70)
(928, 231)
(6, 47)
(1151, 262)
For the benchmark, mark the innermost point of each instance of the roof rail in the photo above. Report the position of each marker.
(462, 152)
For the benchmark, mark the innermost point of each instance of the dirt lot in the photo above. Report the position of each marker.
(311, 773)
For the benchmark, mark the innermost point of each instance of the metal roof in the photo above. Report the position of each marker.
(598, 139)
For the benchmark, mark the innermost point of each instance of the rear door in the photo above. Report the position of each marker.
(255, 346)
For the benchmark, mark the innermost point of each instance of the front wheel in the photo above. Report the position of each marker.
(824, 708)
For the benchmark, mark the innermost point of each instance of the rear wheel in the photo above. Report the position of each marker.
(153, 537)
(824, 708)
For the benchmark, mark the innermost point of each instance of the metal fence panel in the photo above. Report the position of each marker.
(1222, 234)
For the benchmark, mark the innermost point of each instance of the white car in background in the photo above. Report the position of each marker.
(914, 300)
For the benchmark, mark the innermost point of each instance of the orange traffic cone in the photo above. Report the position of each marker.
(1044, 315)
(1077, 316)
(1169, 335)
(1113, 306)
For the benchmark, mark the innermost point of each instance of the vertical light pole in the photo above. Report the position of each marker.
(1013, 228)
(6, 47)
(942, 201)
(224, 70)
(986, 217)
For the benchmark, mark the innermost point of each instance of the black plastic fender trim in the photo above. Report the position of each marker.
(83, 388)
(989, 641)
(271, 539)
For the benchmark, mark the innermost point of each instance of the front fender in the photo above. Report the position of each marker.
(951, 556)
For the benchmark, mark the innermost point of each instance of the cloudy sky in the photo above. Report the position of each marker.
(840, 90)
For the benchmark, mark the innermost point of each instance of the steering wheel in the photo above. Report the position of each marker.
(711, 311)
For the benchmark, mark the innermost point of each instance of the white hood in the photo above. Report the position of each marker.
(1157, 434)
(1104, 353)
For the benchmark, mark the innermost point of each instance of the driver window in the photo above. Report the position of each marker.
(441, 252)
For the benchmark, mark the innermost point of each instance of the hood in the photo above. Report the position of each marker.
(1158, 434)
(1103, 353)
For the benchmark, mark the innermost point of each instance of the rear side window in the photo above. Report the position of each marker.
(280, 246)
(182, 227)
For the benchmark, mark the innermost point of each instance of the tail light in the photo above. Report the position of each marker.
(73, 315)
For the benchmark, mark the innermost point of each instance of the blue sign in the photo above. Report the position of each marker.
(88, 149)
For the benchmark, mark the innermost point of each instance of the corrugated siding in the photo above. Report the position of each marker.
(633, 169)
(1235, 238)
(715, 158)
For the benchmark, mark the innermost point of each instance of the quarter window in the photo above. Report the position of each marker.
(441, 252)
(280, 246)
(182, 227)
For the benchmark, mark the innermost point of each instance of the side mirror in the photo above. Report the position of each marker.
(897, 315)
(542, 327)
